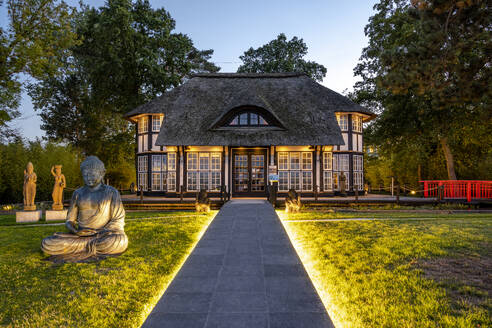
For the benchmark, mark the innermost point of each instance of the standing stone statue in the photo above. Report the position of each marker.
(29, 189)
(343, 182)
(60, 183)
(95, 220)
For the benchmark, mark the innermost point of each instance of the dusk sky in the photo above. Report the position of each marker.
(333, 31)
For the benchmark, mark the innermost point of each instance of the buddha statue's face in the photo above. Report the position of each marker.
(92, 177)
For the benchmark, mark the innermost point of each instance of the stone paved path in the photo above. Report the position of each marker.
(244, 273)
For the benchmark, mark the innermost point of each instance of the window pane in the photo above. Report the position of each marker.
(344, 162)
(263, 121)
(192, 181)
(156, 181)
(307, 181)
(215, 161)
(327, 161)
(171, 181)
(294, 161)
(171, 161)
(142, 164)
(156, 122)
(192, 161)
(204, 161)
(142, 181)
(283, 181)
(335, 180)
(156, 163)
(295, 182)
(234, 121)
(215, 181)
(327, 181)
(243, 119)
(307, 161)
(204, 180)
(283, 161)
(335, 162)
(254, 119)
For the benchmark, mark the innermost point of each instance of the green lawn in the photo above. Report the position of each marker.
(399, 273)
(116, 292)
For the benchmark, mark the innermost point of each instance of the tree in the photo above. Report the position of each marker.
(428, 65)
(35, 42)
(129, 56)
(279, 56)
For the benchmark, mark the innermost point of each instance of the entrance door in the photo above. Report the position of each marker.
(248, 172)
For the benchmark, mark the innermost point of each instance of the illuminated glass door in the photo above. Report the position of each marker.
(249, 172)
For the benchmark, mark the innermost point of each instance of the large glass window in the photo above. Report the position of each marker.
(343, 121)
(163, 172)
(295, 171)
(204, 171)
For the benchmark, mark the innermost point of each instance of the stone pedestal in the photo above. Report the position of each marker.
(28, 216)
(56, 215)
(57, 207)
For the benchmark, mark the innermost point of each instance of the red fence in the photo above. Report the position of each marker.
(458, 189)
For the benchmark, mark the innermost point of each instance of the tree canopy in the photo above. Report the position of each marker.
(280, 56)
(129, 55)
(427, 72)
(35, 43)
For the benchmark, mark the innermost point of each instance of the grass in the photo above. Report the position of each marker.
(399, 273)
(116, 292)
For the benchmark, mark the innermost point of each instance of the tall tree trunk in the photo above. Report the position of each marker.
(449, 158)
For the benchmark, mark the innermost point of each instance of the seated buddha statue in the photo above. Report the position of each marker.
(95, 220)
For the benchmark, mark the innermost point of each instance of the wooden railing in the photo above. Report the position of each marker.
(458, 189)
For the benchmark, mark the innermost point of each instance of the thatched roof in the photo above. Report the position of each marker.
(303, 108)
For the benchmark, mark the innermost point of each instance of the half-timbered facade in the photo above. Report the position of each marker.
(236, 130)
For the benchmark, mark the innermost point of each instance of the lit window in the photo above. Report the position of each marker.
(343, 121)
(192, 161)
(204, 171)
(307, 180)
(171, 181)
(283, 161)
(171, 161)
(142, 172)
(143, 124)
(327, 181)
(327, 161)
(248, 119)
(307, 161)
(294, 161)
(156, 122)
(357, 123)
(283, 181)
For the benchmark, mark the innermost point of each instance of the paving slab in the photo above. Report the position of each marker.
(244, 272)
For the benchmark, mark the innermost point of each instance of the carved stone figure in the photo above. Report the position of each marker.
(343, 182)
(293, 202)
(95, 220)
(29, 189)
(60, 183)
(202, 203)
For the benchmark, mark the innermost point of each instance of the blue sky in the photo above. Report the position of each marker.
(332, 29)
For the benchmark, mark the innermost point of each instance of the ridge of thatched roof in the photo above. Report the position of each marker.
(305, 109)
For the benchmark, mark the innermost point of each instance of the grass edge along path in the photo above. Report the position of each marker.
(116, 292)
(360, 290)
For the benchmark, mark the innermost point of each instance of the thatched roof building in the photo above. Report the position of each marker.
(301, 111)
